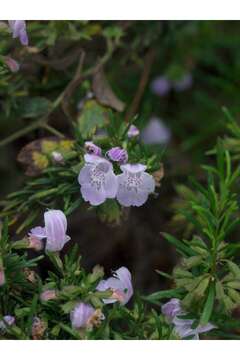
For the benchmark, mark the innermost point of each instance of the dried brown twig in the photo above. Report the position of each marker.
(149, 59)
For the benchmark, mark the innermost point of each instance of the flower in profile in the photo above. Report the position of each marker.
(12, 64)
(183, 328)
(85, 316)
(155, 132)
(134, 185)
(118, 154)
(54, 231)
(171, 309)
(92, 149)
(8, 320)
(18, 29)
(97, 179)
(161, 86)
(120, 284)
(2, 277)
(133, 131)
(50, 294)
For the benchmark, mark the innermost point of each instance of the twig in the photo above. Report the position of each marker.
(149, 59)
(53, 130)
(77, 79)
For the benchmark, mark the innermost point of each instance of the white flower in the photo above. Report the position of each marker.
(54, 231)
(134, 185)
(97, 179)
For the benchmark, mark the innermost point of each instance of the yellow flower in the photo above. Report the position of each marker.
(40, 160)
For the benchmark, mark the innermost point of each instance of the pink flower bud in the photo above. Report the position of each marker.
(47, 295)
(35, 243)
(12, 64)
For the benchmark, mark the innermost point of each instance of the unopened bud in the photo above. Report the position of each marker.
(47, 295)
(35, 243)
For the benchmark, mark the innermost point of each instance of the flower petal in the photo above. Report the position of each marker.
(93, 195)
(39, 232)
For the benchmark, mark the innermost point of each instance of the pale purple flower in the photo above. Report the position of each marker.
(161, 86)
(12, 64)
(97, 179)
(85, 316)
(49, 294)
(18, 29)
(8, 320)
(184, 83)
(121, 285)
(118, 154)
(92, 149)
(54, 231)
(183, 327)
(171, 308)
(2, 277)
(156, 132)
(133, 131)
(134, 185)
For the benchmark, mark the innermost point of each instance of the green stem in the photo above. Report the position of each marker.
(53, 130)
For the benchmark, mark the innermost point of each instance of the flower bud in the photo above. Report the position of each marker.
(118, 154)
(35, 243)
(133, 131)
(8, 320)
(57, 157)
(92, 149)
(12, 64)
(47, 295)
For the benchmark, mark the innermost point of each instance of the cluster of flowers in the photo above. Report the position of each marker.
(98, 181)
(183, 327)
(83, 315)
